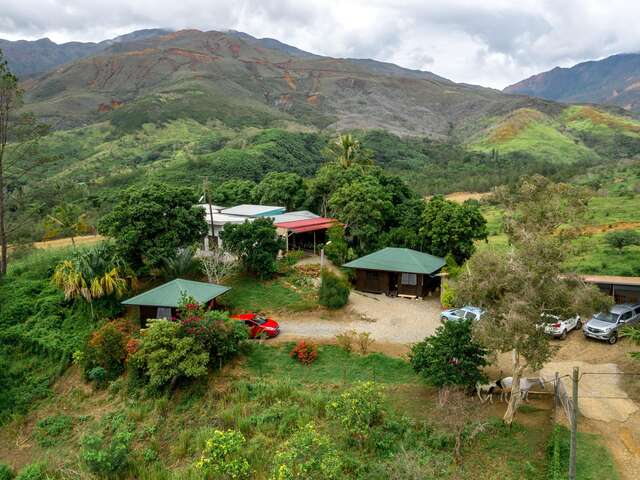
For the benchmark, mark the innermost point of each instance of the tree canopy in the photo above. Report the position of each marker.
(256, 244)
(281, 189)
(152, 222)
(447, 228)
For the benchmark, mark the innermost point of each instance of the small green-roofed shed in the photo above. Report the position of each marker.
(161, 301)
(398, 271)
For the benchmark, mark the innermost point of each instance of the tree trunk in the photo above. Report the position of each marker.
(3, 232)
(514, 399)
(457, 449)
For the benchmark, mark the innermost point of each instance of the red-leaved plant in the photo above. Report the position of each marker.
(305, 352)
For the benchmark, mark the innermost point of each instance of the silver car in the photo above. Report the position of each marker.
(464, 313)
(605, 325)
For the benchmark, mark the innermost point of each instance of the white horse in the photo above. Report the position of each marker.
(526, 384)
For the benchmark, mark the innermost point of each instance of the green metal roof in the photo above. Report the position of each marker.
(399, 260)
(169, 294)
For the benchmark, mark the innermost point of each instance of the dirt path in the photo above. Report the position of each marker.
(66, 242)
(389, 320)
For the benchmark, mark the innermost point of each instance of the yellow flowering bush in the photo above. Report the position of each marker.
(359, 409)
(222, 457)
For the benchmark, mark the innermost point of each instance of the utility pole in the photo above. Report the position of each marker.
(574, 425)
(207, 199)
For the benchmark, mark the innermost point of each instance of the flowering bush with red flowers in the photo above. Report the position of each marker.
(213, 329)
(305, 352)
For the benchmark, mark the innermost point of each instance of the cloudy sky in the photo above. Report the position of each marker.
(487, 42)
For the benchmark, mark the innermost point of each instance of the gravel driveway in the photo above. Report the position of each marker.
(392, 320)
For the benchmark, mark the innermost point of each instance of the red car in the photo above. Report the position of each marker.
(258, 325)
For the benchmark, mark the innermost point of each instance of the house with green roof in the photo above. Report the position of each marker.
(163, 300)
(398, 272)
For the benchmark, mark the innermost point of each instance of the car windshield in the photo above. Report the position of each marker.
(259, 319)
(607, 317)
(459, 313)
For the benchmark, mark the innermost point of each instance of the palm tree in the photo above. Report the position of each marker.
(348, 151)
(91, 274)
(182, 264)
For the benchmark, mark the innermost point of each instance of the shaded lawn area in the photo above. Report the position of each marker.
(291, 292)
(593, 459)
(333, 366)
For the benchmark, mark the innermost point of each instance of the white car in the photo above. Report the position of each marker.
(559, 328)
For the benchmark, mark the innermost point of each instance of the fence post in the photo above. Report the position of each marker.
(555, 395)
(574, 425)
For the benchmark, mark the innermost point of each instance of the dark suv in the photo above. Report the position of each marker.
(605, 325)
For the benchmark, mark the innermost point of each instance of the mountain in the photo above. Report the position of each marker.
(238, 81)
(27, 58)
(612, 81)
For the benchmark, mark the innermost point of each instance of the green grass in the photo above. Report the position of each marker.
(593, 458)
(291, 292)
(589, 253)
(333, 366)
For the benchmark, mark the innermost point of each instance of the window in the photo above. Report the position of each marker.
(626, 316)
(409, 279)
(470, 316)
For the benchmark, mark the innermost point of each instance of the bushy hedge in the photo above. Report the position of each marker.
(334, 290)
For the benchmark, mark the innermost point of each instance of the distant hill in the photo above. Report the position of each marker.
(239, 81)
(27, 58)
(612, 81)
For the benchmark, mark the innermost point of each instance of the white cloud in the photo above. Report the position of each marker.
(492, 43)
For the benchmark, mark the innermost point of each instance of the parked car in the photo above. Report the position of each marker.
(464, 313)
(558, 327)
(605, 325)
(258, 325)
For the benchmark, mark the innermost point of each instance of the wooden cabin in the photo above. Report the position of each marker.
(398, 272)
(163, 300)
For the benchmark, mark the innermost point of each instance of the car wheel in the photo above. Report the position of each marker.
(443, 319)
(563, 335)
(613, 338)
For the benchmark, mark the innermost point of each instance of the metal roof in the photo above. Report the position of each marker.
(293, 216)
(399, 260)
(247, 210)
(611, 279)
(308, 225)
(222, 219)
(169, 294)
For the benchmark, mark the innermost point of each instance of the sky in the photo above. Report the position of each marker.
(486, 42)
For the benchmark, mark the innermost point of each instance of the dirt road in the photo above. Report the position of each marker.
(392, 320)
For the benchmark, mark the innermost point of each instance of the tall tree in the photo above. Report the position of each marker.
(68, 221)
(23, 131)
(10, 96)
(518, 285)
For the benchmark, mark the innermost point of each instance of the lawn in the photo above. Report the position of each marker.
(292, 291)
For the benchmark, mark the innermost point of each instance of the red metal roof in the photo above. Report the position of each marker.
(301, 226)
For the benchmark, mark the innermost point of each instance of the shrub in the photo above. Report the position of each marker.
(447, 295)
(305, 352)
(218, 334)
(166, 355)
(6, 472)
(223, 456)
(107, 348)
(308, 455)
(106, 453)
(618, 239)
(450, 357)
(346, 339)
(359, 410)
(52, 429)
(365, 340)
(33, 471)
(334, 290)
(98, 375)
